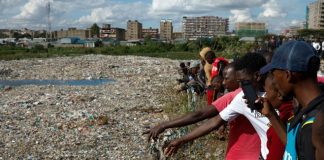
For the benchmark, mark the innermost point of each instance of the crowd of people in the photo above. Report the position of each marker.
(286, 121)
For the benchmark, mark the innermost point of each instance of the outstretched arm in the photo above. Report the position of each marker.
(202, 130)
(191, 118)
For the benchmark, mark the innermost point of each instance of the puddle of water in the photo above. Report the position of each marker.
(93, 82)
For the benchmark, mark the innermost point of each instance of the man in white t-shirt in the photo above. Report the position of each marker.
(317, 45)
(247, 68)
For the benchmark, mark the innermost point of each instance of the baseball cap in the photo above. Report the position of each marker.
(194, 64)
(292, 56)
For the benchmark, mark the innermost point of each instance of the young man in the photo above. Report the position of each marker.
(284, 106)
(207, 66)
(247, 68)
(294, 67)
(243, 143)
(217, 86)
(218, 64)
(194, 82)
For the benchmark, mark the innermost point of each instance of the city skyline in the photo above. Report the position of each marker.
(32, 14)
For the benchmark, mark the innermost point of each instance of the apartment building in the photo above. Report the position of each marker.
(166, 30)
(151, 32)
(6, 33)
(315, 15)
(250, 29)
(107, 32)
(73, 32)
(205, 26)
(292, 31)
(177, 35)
(134, 30)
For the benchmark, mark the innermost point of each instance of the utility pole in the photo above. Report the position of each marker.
(48, 9)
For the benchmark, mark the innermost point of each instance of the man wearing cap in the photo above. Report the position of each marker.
(194, 83)
(281, 108)
(294, 67)
(246, 68)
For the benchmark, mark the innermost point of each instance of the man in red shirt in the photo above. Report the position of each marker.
(244, 143)
(218, 65)
(284, 106)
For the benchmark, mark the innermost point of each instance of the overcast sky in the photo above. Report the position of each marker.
(32, 14)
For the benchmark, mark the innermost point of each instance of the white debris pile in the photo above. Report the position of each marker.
(83, 122)
(104, 121)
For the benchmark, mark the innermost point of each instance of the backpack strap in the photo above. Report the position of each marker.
(309, 121)
(315, 104)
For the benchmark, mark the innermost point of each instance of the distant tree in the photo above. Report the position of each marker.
(40, 35)
(311, 33)
(98, 43)
(94, 30)
(26, 35)
(148, 40)
(16, 35)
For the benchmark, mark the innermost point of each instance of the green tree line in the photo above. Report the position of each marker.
(228, 47)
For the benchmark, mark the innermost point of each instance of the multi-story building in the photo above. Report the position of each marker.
(250, 29)
(315, 15)
(177, 35)
(206, 26)
(134, 30)
(5, 33)
(107, 32)
(292, 31)
(166, 30)
(150, 32)
(73, 32)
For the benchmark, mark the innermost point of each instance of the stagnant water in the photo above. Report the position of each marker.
(92, 82)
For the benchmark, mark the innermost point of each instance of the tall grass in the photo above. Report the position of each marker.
(16, 53)
(207, 147)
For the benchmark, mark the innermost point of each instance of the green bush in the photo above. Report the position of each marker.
(89, 51)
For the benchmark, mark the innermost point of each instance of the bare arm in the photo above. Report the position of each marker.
(202, 130)
(278, 126)
(191, 118)
(275, 121)
(318, 135)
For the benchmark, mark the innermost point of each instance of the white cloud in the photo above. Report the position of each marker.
(272, 10)
(243, 15)
(97, 15)
(82, 13)
(34, 9)
(116, 13)
(7, 5)
(161, 7)
(296, 22)
(34, 12)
